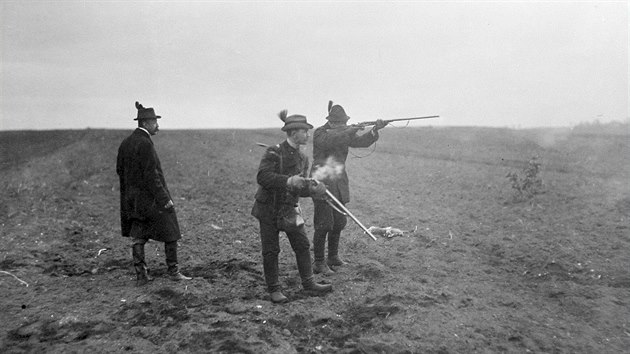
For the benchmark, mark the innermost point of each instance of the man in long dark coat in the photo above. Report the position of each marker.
(146, 207)
(330, 147)
(282, 179)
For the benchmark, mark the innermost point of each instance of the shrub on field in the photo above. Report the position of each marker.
(528, 183)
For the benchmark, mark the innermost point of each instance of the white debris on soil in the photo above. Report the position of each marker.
(389, 231)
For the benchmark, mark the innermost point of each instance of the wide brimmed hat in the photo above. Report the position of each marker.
(336, 113)
(294, 121)
(145, 113)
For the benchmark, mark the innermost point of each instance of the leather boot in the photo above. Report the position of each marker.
(319, 247)
(170, 250)
(142, 272)
(271, 271)
(304, 265)
(321, 267)
(142, 276)
(313, 288)
(335, 261)
(277, 297)
(333, 250)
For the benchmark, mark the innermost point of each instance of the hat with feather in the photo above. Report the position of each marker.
(145, 113)
(336, 113)
(294, 121)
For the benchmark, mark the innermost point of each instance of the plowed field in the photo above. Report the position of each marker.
(484, 271)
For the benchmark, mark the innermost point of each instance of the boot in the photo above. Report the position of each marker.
(142, 272)
(170, 249)
(303, 258)
(304, 265)
(320, 267)
(319, 247)
(142, 276)
(315, 289)
(333, 250)
(335, 261)
(277, 297)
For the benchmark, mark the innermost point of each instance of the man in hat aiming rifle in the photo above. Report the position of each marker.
(282, 180)
(146, 206)
(331, 142)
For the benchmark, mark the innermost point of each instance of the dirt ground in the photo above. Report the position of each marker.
(484, 272)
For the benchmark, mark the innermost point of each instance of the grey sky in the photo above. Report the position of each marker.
(202, 64)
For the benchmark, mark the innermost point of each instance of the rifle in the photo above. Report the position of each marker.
(387, 121)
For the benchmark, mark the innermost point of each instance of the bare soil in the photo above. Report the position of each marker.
(484, 272)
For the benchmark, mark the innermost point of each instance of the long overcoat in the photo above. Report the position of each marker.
(278, 164)
(334, 143)
(143, 191)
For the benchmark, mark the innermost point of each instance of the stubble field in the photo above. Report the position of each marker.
(484, 272)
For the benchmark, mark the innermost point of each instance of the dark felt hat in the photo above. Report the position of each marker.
(336, 113)
(294, 121)
(145, 113)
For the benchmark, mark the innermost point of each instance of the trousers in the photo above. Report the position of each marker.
(328, 224)
(326, 218)
(270, 241)
(170, 252)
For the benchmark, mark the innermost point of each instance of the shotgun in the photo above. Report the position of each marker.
(387, 121)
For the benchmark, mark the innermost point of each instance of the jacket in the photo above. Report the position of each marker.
(335, 143)
(143, 190)
(276, 166)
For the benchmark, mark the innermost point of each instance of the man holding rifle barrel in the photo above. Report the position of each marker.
(332, 141)
(282, 180)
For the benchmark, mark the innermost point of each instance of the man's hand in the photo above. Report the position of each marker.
(380, 124)
(296, 183)
(317, 189)
(169, 205)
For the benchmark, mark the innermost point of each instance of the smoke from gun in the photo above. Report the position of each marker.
(331, 170)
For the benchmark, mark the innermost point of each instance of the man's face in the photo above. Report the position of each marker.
(300, 136)
(151, 125)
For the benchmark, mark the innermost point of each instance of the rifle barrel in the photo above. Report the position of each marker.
(373, 122)
(412, 118)
(354, 218)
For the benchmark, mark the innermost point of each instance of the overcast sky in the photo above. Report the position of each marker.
(211, 64)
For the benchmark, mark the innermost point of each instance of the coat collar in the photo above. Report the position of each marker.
(144, 130)
(286, 146)
(143, 134)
